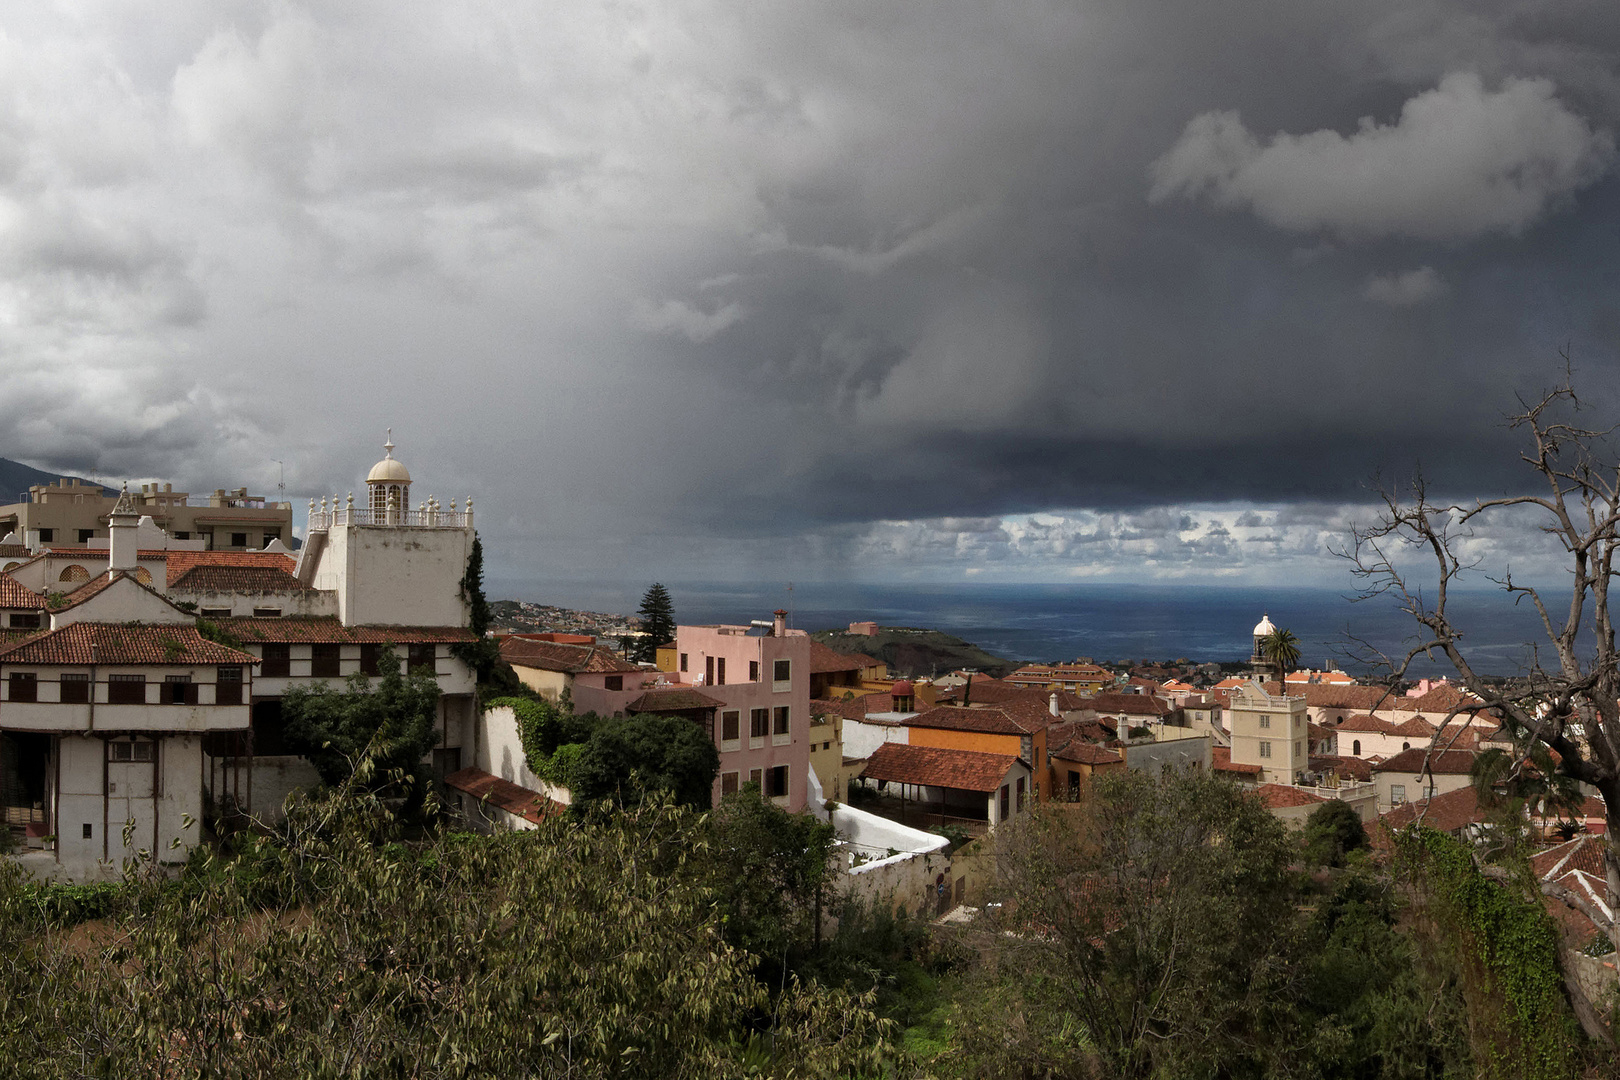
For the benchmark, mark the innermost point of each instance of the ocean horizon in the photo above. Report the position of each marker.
(1109, 623)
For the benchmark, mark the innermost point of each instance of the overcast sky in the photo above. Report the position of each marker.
(1106, 289)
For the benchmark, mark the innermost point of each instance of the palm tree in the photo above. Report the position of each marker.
(1281, 650)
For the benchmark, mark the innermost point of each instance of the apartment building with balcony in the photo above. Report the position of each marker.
(71, 512)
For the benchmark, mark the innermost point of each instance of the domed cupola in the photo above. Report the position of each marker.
(390, 484)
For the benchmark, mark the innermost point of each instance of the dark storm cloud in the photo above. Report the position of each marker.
(716, 283)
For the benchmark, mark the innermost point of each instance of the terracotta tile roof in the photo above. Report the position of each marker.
(824, 661)
(14, 551)
(1339, 696)
(14, 594)
(1448, 812)
(1440, 700)
(1367, 723)
(963, 770)
(237, 579)
(557, 656)
(1222, 762)
(990, 720)
(1129, 704)
(676, 699)
(1583, 853)
(1279, 796)
(984, 690)
(328, 630)
(519, 801)
(1087, 753)
(179, 563)
(1416, 727)
(1440, 762)
(848, 708)
(1347, 768)
(122, 643)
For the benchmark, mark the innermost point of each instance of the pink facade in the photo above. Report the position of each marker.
(762, 679)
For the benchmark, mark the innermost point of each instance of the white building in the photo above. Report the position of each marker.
(121, 722)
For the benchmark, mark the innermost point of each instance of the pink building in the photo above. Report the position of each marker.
(750, 688)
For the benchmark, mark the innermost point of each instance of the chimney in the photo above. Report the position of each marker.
(1054, 705)
(779, 624)
(123, 530)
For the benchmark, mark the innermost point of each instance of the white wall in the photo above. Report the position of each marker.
(123, 601)
(500, 753)
(862, 738)
(395, 575)
(129, 795)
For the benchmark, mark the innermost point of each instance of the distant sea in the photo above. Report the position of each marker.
(1062, 622)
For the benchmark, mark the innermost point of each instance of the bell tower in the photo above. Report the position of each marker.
(390, 484)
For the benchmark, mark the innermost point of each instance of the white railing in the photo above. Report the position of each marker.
(416, 519)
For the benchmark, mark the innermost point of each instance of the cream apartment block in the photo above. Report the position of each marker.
(1268, 730)
(70, 512)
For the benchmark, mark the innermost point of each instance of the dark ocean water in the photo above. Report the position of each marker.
(1062, 622)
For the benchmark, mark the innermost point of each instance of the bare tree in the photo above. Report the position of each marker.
(1569, 700)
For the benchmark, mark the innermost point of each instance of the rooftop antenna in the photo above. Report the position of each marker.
(790, 603)
(281, 482)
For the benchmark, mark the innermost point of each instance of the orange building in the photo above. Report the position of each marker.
(1016, 727)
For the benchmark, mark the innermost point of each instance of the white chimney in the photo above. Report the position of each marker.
(123, 531)
(1055, 710)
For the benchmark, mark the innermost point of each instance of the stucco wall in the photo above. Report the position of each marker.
(500, 753)
(395, 575)
(158, 822)
(1180, 754)
(862, 738)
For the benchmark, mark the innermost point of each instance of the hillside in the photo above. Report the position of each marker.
(16, 478)
(915, 653)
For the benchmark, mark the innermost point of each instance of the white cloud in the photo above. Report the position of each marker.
(1460, 162)
(694, 324)
(1405, 290)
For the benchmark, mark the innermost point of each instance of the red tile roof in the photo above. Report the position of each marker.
(328, 630)
(1222, 762)
(1416, 728)
(824, 661)
(1448, 812)
(675, 699)
(1365, 722)
(181, 562)
(1279, 796)
(932, 766)
(991, 720)
(14, 594)
(1440, 762)
(1339, 696)
(1583, 853)
(122, 643)
(1129, 704)
(1440, 700)
(237, 579)
(1347, 768)
(1087, 753)
(848, 708)
(557, 656)
(984, 690)
(519, 801)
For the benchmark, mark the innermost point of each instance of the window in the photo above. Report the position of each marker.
(277, 658)
(228, 686)
(216, 612)
(422, 656)
(728, 783)
(613, 682)
(1299, 749)
(45, 537)
(267, 613)
(87, 831)
(730, 725)
(75, 688)
(683, 661)
(781, 726)
(131, 751)
(708, 670)
(325, 660)
(1004, 802)
(758, 721)
(1397, 793)
(756, 777)
(1406, 746)
(126, 689)
(777, 785)
(179, 690)
(22, 621)
(753, 671)
(719, 671)
(1265, 749)
(781, 673)
(74, 573)
(85, 535)
(271, 534)
(24, 686)
(1355, 748)
(238, 539)
(1020, 804)
(1265, 721)
(182, 535)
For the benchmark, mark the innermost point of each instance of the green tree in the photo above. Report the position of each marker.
(657, 613)
(1281, 648)
(387, 723)
(1332, 831)
(645, 758)
(481, 654)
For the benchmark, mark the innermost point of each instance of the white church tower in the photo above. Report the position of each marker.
(390, 565)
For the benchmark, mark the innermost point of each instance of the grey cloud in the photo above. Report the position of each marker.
(1405, 289)
(1460, 162)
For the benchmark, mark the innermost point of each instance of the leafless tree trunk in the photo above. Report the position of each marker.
(1569, 703)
